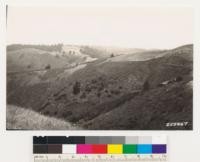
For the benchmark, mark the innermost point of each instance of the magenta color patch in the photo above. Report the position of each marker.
(84, 149)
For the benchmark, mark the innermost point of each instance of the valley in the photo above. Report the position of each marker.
(101, 88)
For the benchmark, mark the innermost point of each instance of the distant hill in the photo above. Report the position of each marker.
(103, 51)
(152, 86)
(27, 57)
(31, 58)
(138, 56)
(49, 48)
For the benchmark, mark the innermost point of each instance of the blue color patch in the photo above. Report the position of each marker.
(144, 149)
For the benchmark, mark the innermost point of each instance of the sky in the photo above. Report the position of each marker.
(133, 27)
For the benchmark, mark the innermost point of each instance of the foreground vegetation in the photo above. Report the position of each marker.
(20, 118)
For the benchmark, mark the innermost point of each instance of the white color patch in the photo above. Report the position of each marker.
(159, 139)
(69, 149)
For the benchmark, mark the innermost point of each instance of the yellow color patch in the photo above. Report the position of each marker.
(114, 149)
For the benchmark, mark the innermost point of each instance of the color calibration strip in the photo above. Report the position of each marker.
(100, 145)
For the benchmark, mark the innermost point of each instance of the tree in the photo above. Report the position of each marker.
(48, 66)
(146, 86)
(112, 55)
(76, 88)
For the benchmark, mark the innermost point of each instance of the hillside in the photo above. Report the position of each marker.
(102, 90)
(138, 56)
(19, 118)
(30, 58)
(150, 110)
(77, 52)
(107, 51)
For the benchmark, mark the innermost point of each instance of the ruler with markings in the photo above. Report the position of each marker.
(100, 158)
(100, 149)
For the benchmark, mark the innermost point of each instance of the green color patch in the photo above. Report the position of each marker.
(129, 149)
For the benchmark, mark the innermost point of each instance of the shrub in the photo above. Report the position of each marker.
(179, 78)
(101, 87)
(29, 66)
(98, 94)
(93, 81)
(48, 66)
(106, 91)
(109, 95)
(83, 95)
(88, 88)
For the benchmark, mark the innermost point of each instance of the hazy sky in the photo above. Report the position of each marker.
(137, 27)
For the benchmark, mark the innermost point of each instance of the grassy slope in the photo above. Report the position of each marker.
(20, 118)
(140, 56)
(30, 58)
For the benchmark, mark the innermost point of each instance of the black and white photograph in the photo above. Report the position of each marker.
(99, 68)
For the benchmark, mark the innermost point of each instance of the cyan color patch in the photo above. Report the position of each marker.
(144, 149)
